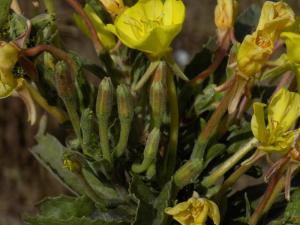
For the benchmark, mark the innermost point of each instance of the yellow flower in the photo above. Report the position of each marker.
(107, 38)
(114, 7)
(283, 111)
(254, 52)
(275, 17)
(8, 57)
(225, 13)
(195, 211)
(150, 25)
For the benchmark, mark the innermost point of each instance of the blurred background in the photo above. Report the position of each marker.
(23, 182)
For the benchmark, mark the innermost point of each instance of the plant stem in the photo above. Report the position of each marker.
(231, 180)
(270, 194)
(78, 8)
(58, 53)
(229, 163)
(170, 158)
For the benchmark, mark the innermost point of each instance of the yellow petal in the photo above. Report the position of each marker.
(292, 41)
(150, 26)
(183, 206)
(258, 125)
(174, 12)
(283, 111)
(275, 16)
(254, 52)
(214, 212)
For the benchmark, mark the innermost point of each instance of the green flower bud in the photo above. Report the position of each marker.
(103, 109)
(158, 95)
(105, 98)
(187, 173)
(124, 100)
(125, 110)
(150, 152)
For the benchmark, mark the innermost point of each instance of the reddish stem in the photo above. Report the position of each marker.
(78, 8)
(268, 193)
(58, 53)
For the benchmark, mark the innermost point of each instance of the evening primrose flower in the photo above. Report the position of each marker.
(150, 25)
(195, 211)
(254, 52)
(8, 58)
(114, 7)
(275, 17)
(283, 111)
(104, 34)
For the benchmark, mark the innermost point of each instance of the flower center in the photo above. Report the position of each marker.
(142, 26)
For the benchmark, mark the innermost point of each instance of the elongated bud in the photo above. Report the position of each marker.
(158, 95)
(63, 82)
(103, 109)
(151, 171)
(188, 172)
(114, 7)
(105, 98)
(124, 100)
(150, 152)
(90, 139)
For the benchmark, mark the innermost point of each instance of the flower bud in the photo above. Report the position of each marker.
(188, 172)
(105, 98)
(63, 83)
(150, 152)
(225, 13)
(158, 95)
(124, 100)
(114, 7)
(8, 57)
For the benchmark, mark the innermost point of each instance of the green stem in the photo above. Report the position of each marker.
(170, 158)
(150, 70)
(229, 163)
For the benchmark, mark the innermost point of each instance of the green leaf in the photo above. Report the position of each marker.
(145, 198)
(17, 26)
(4, 11)
(162, 202)
(64, 207)
(49, 152)
(292, 211)
(40, 220)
